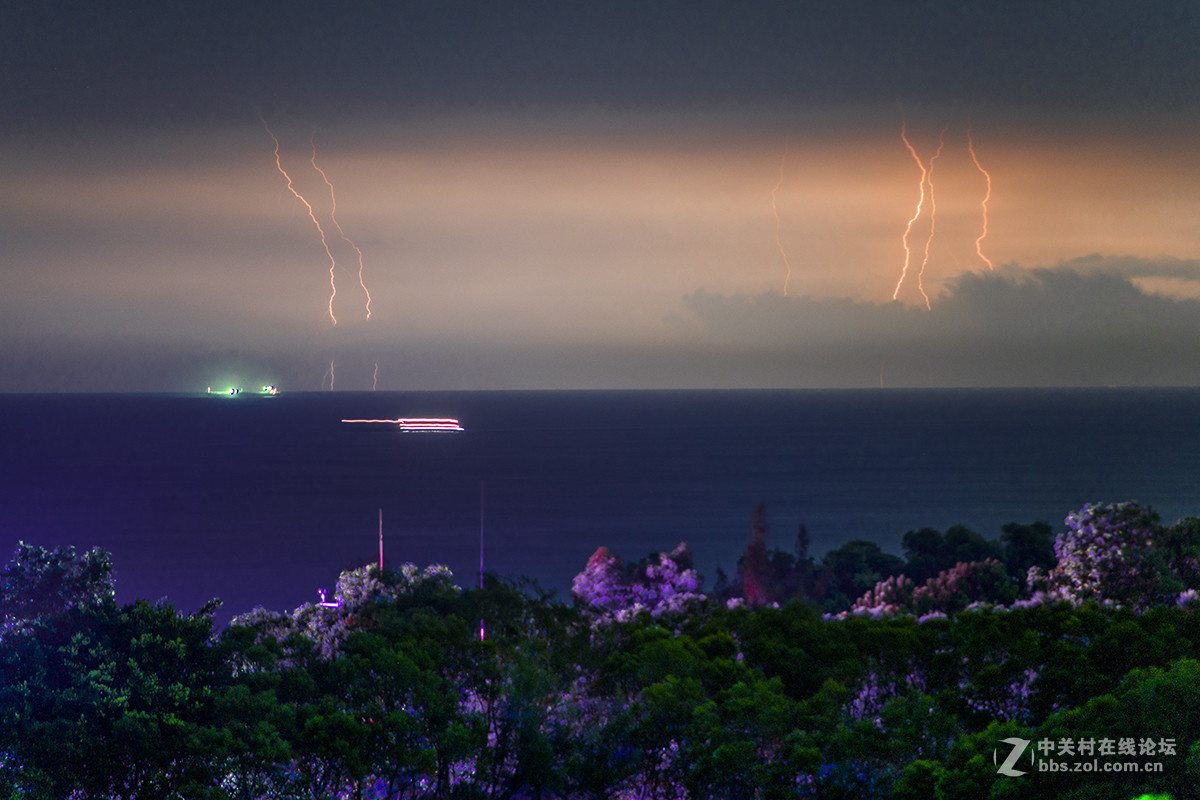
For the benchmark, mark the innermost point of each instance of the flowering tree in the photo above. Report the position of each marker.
(963, 584)
(1105, 554)
(357, 587)
(892, 595)
(38, 582)
(602, 585)
(328, 624)
(663, 583)
(670, 583)
(950, 590)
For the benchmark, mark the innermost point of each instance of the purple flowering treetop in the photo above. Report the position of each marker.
(1106, 555)
(601, 586)
(357, 587)
(951, 590)
(39, 583)
(1116, 553)
(664, 583)
(892, 595)
(328, 624)
(965, 584)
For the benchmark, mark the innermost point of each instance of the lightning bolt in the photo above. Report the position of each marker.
(375, 377)
(778, 237)
(328, 374)
(916, 214)
(342, 233)
(311, 215)
(932, 218)
(987, 196)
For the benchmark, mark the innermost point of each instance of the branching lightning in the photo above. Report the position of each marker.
(927, 179)
(342, 233)
(987, 196)
(311, 215)
(916, 214)
(932, 219)
(778, 236)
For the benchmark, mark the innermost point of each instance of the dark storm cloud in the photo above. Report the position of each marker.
(1045, 327)
(1133, 267)
(1048, 327)
(137, 62)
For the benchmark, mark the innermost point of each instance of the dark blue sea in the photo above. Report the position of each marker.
(262, 500)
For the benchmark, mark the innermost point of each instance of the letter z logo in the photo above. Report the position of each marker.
(1018, 747)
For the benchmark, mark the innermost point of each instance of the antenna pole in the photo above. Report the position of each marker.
(481, 630)
(481, 534)
(381, 541)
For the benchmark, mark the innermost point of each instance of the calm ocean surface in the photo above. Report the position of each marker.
(261, 500)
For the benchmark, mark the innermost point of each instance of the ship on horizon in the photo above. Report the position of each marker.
(234, 391)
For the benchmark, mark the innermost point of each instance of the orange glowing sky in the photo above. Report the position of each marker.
(492, 229)
(589, 233)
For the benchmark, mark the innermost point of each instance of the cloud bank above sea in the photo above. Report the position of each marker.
(1084, 322)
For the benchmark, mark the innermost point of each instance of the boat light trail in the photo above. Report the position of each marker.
(417, 424)
(311, 215)
(342, 233)
(778, 237)
(987, 196)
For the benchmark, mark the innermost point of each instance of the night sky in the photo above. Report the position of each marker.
(620, 195)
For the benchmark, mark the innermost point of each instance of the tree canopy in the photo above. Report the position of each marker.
(642, 686)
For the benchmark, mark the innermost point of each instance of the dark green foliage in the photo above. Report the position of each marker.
(964, 545)
(1027, 546)
(846, 573)
(396, 695)
(965, 583)
(1152, 704)
(112, 702)
(1176, 557)
(39, 582)
(855, 568)
(928, 552)
(923, 554)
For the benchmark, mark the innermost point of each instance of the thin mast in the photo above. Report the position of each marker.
(481, 630)
(481, 534)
